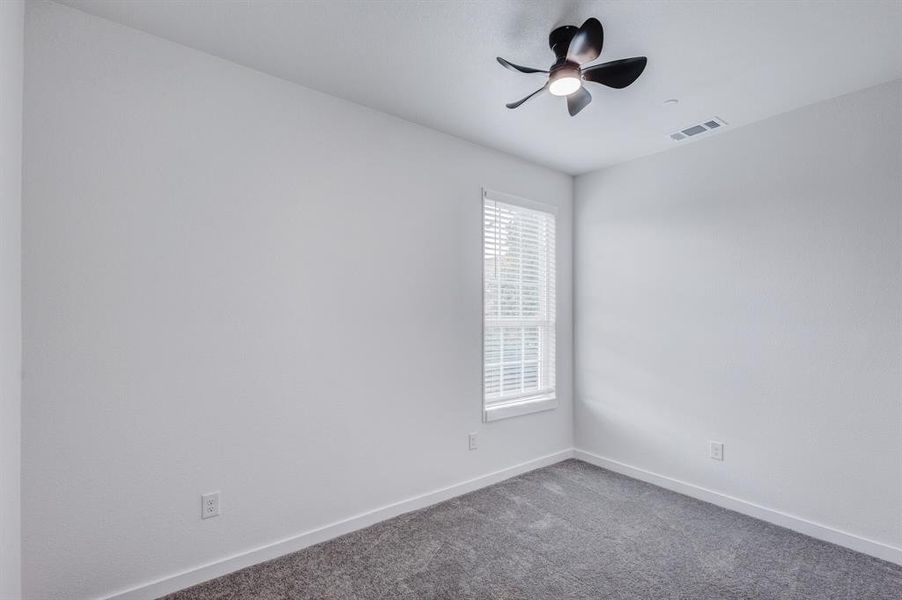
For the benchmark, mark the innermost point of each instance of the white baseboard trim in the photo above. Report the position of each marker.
(172, 583)
(810, 528)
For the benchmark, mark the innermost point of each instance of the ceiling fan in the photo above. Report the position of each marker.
(575, 47)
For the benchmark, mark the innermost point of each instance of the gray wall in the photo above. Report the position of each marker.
(748, 289)
(11, 48)
(235, 283)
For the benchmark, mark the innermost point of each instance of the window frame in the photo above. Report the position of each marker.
(527, 404)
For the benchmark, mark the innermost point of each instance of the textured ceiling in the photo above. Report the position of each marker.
(434, 62)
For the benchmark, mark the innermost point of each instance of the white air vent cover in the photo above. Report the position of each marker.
(697, 129)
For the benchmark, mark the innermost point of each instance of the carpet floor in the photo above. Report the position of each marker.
(568, 531)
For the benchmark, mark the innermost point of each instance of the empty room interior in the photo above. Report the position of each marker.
(450, 300)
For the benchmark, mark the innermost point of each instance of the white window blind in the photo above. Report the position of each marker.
(519, 302)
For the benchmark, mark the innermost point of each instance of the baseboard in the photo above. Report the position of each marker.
(810, 528)
(167, 585)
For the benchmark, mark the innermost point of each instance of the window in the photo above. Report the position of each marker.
(518, 305)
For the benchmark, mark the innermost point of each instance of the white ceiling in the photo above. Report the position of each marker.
(433, 62)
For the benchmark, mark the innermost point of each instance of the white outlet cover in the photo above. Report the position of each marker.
(209, 505)
(716, 450)
(474, 442)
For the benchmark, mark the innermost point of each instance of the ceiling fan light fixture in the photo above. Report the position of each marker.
(564, 86)
(574, 48)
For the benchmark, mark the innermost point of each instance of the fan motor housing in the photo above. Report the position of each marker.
(563, 68)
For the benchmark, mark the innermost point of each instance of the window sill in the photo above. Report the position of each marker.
(517, 408)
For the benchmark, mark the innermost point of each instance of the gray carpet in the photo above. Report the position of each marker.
(568, 531)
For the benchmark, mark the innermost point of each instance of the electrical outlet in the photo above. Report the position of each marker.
(715, 450)
(474, 442)
(209, 505)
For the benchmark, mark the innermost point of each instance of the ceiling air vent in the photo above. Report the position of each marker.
(697, 129)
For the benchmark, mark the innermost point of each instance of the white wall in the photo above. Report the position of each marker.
(235, 283)
(12, 15)
(748, 289)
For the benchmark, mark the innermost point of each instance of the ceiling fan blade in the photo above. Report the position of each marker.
(578, 100)
(521, 101)
(618, 73)
(514, 67)
(586, 44)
